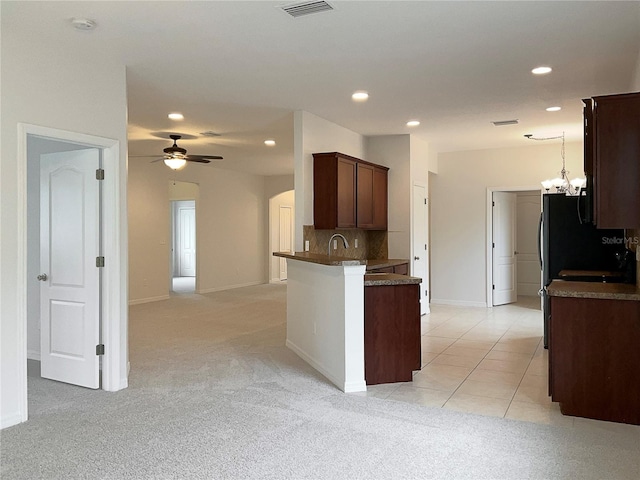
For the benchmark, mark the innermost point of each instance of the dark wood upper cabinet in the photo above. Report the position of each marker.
(348, 193)
(612, 159)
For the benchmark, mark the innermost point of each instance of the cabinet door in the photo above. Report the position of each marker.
(365, 196)
(346, 193)
(379, 199)
(617, 163)
(589, 160)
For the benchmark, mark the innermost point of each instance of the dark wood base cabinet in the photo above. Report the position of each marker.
(594, 358)
(391, 333)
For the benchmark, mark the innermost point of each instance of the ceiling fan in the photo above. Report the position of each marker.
(176, 157)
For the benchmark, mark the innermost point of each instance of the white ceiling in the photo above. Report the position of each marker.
(240, 68)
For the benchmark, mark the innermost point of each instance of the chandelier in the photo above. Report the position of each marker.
(561, 184)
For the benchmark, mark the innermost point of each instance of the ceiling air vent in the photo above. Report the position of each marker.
(306, 8)
(502, 123)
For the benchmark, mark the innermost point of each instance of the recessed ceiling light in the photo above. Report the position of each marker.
(360, 96)
(413, 123)
(554, 109)
(270, 143)
(176, 116)
(541, 70)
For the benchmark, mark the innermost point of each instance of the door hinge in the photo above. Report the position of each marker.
(493, 287)
(425, 201)
(493, 245)
(99, 261)
(100, 349)
(100, 174)
(425, 246)
(493, 204)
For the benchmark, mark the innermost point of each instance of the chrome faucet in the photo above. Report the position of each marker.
(344, 241)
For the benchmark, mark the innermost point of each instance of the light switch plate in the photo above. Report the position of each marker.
(306, 245)
(356, 243)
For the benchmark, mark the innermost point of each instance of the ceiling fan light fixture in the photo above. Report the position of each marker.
(175, 163)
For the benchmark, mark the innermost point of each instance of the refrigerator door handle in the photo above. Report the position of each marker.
(540, 240)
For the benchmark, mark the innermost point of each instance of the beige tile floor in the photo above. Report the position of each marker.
(487, 361)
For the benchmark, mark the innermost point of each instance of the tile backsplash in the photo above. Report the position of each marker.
(372, 244)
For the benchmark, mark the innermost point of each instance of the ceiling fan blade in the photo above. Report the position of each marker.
(196, 158)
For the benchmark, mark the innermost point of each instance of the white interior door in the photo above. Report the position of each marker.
(186, 238)
(504, 248)
(286, 240)
(420, 265)
(528, 216)
(70, 287)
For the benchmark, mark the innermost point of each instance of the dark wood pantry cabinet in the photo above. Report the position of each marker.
(348, 193)
(612, 159)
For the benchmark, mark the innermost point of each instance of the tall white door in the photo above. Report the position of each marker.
(70, 280)
(286, 240)
(504, 248)
(528, 217)
(186, 215)
(420, 262)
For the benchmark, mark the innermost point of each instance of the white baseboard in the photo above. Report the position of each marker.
(10, 420)
(457, 303)
(228, 287)
(278, 281)
(148, 300)
(341, 384)
(33, 355)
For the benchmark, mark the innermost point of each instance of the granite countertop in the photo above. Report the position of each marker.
(388, 279)
(384, 262)
(320, 258)
(613, 291)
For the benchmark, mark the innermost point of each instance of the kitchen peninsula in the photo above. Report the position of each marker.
(327, 319)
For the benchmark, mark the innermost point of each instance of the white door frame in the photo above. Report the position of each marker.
(489, 234)
(114, 325)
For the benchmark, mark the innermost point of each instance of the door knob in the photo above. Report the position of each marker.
(42, 277)
(416, 258)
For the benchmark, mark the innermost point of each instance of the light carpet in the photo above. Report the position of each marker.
(214, 393)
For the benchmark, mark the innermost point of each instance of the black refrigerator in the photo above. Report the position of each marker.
(568, 242)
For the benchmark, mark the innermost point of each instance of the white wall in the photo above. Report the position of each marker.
(394, 151)
(312, 134)
(230, 228)
(635, 85)
(183, 190)
(458, 210)
(285, 199)
(44, 86)
(325, 320)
